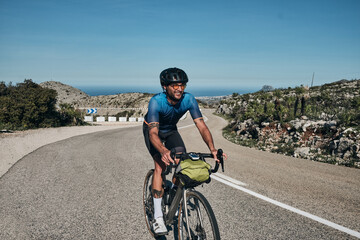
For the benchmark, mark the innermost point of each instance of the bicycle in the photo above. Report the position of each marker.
(195, 217)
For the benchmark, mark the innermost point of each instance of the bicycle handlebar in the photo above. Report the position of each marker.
(202, 157)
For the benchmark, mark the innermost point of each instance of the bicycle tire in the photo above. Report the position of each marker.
(201, 218)
(148, 201)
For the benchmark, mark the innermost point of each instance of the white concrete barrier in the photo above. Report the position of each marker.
(132, 119)
(122, 119)
(112, 119)
(100, 119)
(140, 119)
(88, 119)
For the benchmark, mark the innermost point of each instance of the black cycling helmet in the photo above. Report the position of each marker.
(173, 75)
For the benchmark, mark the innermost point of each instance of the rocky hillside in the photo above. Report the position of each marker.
(320, 123)
(106, 104)
(210, 102)
(122, 100)
(65, 93)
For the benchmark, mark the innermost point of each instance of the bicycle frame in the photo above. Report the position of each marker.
(181, 191)
(175, 204)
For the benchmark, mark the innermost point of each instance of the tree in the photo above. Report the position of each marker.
(27, 105)
(267, 88)
(296, 106)
(303, 106)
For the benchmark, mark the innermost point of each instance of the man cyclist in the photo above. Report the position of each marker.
(161, 134)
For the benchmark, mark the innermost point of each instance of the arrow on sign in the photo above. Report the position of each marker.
(92, 110)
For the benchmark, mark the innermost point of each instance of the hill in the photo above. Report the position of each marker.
(105, 104)
(65, 93)
(320, 123)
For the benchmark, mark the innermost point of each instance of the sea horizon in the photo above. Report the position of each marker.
(196, 91)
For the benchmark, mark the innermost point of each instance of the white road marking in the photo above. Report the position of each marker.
(290, 208)
(237, 182)
(192, 124)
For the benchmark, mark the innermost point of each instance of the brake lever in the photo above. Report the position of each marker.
(173, 156)
(169, 167)
(173, 153)
(219, 156)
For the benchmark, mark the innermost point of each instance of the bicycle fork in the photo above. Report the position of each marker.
(186, 212)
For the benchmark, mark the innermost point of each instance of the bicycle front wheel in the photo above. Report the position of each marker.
(148, 201)
(198, 220)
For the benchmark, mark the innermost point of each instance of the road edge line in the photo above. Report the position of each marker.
(232, 180)
(290, 208)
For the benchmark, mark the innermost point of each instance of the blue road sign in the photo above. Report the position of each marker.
(92, 110)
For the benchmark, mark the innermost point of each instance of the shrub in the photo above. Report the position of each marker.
(70, 116)
(27, 105)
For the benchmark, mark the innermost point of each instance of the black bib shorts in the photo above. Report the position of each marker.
(171, 139)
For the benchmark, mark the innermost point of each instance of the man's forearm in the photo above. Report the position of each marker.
(207, 137)
(205, 133)
(156, 142)
(154, 137)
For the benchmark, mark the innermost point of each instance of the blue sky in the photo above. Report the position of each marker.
(232, 44)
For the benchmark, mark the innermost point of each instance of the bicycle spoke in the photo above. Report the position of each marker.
(201, 222)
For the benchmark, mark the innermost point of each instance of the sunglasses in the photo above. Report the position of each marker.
(176, 87)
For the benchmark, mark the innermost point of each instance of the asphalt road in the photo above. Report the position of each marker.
(90, 187)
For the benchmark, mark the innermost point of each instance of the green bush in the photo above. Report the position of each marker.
(27, 105)
(70, 116)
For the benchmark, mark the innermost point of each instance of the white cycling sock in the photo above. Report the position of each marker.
(157, 208)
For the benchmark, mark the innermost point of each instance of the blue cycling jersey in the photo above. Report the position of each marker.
(168, 115)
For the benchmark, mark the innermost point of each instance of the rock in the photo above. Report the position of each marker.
(333, 128)
(320, 123)
(344, 145)
(241, 126)
(249, 122)
(330, 124)
(348, 130)
(297, 124)
(305, 126)
(302, 152)
(333, 145)
(347, 155)
(265, 124)
(224, 109)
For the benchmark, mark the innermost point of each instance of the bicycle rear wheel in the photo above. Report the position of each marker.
(148, 201)
(201, 222)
